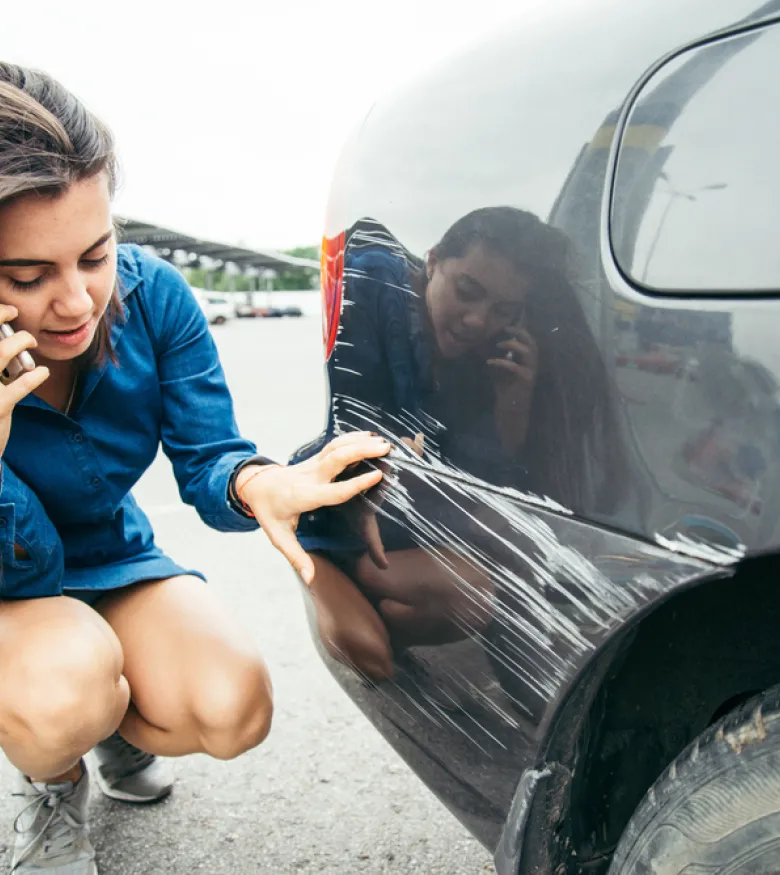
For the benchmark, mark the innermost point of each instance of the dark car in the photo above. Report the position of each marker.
(248, 311)
(552, 280)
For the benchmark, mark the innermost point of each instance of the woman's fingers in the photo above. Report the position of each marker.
(340, 458)
(516, 347)
(21, 387)
(373, 540)
(346, 440)
(520, 333)
(8, 313)
(416, 444)
(285, 541)
(10, 347)
(510, 367)
(337, 493)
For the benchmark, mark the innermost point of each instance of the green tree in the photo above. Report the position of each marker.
(298, 278)
(312, 252)
(293, 278)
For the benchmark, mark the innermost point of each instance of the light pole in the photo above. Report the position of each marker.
(674, 194)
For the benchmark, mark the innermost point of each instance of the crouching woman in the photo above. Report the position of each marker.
(105, 641)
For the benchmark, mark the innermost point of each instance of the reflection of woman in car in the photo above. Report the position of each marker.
(441, 349)
(462, 353)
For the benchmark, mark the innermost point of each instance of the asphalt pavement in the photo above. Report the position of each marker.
(325, 793)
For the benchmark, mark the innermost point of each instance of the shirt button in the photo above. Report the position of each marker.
(78, 437)
(95, 481)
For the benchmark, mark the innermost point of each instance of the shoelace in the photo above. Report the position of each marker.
(57, 833)
(126, 759)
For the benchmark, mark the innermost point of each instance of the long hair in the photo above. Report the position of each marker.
(574, 440)
(48, 141)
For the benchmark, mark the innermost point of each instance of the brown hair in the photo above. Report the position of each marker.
(48, 141)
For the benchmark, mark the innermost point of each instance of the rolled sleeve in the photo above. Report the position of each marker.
(24, 523)
(199, 432)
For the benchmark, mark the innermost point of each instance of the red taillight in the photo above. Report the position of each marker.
(331, 281)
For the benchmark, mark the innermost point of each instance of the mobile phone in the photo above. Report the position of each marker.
(507, 334)
(20, 363)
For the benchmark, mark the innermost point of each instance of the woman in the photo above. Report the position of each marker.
(105, 642)
(461, 357)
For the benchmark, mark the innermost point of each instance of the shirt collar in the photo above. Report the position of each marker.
(128, 270)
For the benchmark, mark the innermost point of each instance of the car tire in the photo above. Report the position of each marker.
(220, 320)
(716, 809)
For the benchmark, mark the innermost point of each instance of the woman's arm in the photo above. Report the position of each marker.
(200, 436)
(199, 432)
(31, 553)
(373, 370)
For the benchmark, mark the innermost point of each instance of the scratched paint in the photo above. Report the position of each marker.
(567, 602)
(553, 602)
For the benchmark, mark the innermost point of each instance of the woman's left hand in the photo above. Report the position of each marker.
(514, 379)
(278, 495)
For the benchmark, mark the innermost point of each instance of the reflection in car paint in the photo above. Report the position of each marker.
(522, 562)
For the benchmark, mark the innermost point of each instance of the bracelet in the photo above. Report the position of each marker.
(244, 506)
(233, 499)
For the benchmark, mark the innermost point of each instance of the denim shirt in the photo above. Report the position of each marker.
(66, 480)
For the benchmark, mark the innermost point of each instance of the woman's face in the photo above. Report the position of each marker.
(58, 266)
(472, 299)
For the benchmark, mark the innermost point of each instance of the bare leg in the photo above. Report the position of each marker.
(349, 627)
(423, 602)
(62, 683)
(198, 683)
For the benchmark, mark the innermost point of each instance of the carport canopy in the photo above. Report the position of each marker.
(207, 253)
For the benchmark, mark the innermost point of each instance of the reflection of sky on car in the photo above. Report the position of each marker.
(754, 337)
(412, 188)
(729, 133)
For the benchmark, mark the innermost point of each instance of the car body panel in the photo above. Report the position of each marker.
(470, 716)
(656, 468)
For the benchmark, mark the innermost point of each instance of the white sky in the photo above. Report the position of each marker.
(229, 115)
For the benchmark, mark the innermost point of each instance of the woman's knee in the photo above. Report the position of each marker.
(233, 707)
(348, 625)
(62, 678)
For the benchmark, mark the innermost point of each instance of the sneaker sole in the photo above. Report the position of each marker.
(121, 796)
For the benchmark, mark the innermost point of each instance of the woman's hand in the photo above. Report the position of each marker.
(11, 393)
(514, 377)
(279, 494)
(362, 518)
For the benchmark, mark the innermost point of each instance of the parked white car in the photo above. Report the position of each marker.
(216, 306)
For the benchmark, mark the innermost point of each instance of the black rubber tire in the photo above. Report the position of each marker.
(716, 809)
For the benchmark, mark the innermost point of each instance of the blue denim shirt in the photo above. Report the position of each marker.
(66, 480)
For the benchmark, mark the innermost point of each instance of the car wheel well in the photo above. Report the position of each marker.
(695, 658)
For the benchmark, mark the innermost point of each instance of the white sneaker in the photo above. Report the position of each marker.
(52, 835)
(129, 774)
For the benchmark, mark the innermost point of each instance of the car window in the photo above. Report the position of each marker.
(696, 202)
